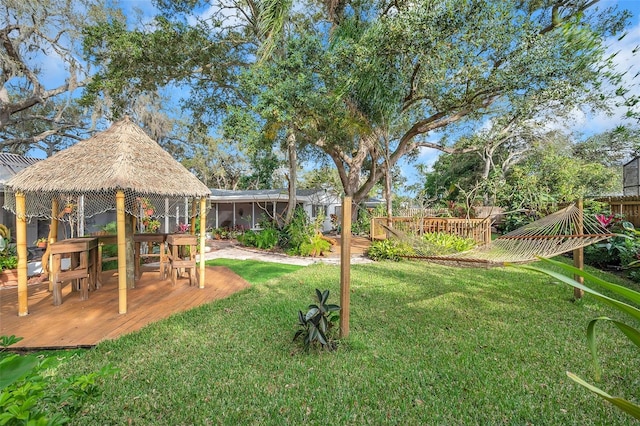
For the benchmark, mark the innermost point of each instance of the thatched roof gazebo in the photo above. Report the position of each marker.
(112, 170)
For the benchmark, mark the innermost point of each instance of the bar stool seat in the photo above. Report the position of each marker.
(82, 272)
(179, 259)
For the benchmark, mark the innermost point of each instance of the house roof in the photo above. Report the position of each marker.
(10, 164)
(227, 195)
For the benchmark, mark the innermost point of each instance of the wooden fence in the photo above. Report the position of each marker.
(628, 206)
(477, 229)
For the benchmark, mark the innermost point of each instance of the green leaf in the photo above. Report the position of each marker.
(325, 297)
(623, 291)
(332, 308)
(621, 306)
(14, 367)
(623, 404)
(312, 313)
(591, 342)
(322, 338)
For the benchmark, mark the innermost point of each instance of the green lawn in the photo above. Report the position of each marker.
(254, 271)
(429, 344)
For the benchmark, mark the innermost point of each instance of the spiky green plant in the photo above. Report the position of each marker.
(631, 333)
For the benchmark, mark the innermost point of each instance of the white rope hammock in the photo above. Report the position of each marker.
(561, 232)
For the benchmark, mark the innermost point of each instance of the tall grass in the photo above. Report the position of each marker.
(429, 344)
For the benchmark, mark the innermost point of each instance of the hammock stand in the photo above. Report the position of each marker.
(560, 232)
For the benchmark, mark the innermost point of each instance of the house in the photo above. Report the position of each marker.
(631, 177)
(10, 165)
(246, 209)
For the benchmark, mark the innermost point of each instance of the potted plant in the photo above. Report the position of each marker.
(152, 226)
(8, 265)
(69, 207)
(147, 206)
(41, 242)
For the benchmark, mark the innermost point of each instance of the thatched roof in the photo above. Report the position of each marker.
(120, 158)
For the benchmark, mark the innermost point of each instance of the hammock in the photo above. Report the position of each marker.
(555, 234)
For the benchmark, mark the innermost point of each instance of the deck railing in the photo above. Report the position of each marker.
(477, 229)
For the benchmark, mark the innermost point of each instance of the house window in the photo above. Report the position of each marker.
(319, 209)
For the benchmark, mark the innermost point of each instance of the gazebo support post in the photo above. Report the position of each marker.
(166, 215)
(129, 230)
(122, 253)
(52, 238)
(192, 219)
(203, 227)
(21, 240)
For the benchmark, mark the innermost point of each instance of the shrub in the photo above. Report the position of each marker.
(248, 238)
(517, 219)
(316, 246)
(622, 250)
(389, 250)
(317, 325)
(8, 257)
(443, 243)
(296, 233)
(265, 239)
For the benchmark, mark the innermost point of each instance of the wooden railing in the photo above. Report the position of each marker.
(477, 229)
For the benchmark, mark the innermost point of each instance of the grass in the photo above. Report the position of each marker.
(429, 344)
(254, 271)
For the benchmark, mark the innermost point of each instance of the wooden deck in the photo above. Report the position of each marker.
(78, 323)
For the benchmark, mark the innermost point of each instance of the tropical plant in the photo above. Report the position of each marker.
(8, 258)
(621, 251)
(27, 396)
(39, 241)
(297, 232)
(265, 239)
(315, 246)
(316, 326)
(389, 250)
(631, 333)
(151, 226)
(5, 232)
(448, 243)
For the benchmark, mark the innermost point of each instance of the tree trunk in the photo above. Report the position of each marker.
(293, 175)
(389, 197)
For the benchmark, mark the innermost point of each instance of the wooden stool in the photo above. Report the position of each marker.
(178, 243)
(82, 272)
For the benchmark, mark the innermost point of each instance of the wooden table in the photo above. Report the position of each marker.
(138, 239)
(83, 269)
(181, 258)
